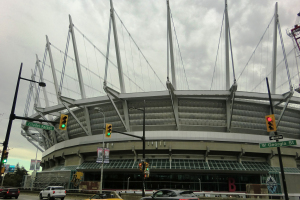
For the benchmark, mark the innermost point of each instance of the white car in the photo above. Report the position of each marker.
(52, 192)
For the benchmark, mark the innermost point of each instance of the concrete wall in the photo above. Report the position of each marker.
(292, 183)
(287, 161)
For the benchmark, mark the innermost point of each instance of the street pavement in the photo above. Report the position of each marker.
(36, 197)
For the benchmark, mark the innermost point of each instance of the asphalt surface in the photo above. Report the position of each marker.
(36, 197)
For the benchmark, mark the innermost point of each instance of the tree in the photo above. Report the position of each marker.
(15, 179)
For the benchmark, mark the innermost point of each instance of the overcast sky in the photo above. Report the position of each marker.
(24, 26)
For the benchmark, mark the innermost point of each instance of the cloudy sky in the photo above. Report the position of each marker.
(24, 26)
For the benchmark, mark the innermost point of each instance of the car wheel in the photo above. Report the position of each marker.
(49, 198)
(41, 197)
(16, 197)
(62, 198)
(4, 197)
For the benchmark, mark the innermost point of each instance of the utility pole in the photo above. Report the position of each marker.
(278, 148)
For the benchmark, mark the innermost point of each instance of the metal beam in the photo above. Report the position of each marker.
(227, 47)
(80, 78)
(116, 109)
(118, 55)
(53, 69)
(77, 120)
(230, 104)
(274, 55)
(174, 100)
(171, 45)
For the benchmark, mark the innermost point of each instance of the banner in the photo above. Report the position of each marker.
(100, 152)
(106, 155)
(32, 164)
(99, 155)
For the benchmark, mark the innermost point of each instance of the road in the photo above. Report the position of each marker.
(36, 197)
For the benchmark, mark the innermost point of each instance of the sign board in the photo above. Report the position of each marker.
(11, 168)
(276, 137)
(100, 152)
(42, 126)
(32, 164)
(278, 144)
(271, 184)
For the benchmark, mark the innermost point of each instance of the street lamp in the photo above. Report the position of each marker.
(12, 113)
(101, 179)
(128, 183)
(143, 110)
(200, 183)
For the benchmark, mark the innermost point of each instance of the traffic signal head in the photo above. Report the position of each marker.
(63, 122)
(5, 155)
(141, 166)
(271, 123)
(108, 130)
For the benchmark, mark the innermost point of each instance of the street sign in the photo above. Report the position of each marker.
(276, 137)
(278, 144)
(36, 125)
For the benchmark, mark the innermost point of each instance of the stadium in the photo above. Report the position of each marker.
(205, 140)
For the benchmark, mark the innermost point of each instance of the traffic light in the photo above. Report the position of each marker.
(147, 173)
(5, 155)
(141, 166)
(271, 123)
(63, 122)
(2, 170)
(108, 130)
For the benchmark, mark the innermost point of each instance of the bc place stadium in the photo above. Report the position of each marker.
(202, 140)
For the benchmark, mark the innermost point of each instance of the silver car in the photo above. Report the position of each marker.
(169, 194)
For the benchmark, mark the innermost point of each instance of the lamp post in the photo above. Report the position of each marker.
(199, 183)
(128, 183)
(101, 179)
(143, 110)
(12, 113)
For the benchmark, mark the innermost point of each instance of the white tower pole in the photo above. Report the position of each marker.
(80, 79)
(53, 69)
(227, 48)
(120, 69)
(171, 47)
(274, 55)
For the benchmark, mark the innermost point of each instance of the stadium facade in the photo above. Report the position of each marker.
(195, 139)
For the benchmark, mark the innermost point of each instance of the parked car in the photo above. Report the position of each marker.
(105, 195)
(166, 194)
(1, 188)
(10, 192)
(52, 192)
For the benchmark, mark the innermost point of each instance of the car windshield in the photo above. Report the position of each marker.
(187, 194)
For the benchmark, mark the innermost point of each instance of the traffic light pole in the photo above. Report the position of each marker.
(278, 148)
(11, 117)
(12, 113)
(143, 191)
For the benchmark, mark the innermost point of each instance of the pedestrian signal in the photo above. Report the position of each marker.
(63, 122)
(108, 130)
(271, 123)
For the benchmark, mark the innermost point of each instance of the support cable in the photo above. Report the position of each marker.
(179, 50)
(83, 66)
(255, 48)
(64, 63)
(139, 50)
(42, 72)
(106, 58)
(284, 55)
(270, 72)
(217, 51)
